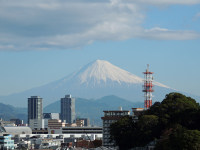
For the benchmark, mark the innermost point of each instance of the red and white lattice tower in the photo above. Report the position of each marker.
(148, 88)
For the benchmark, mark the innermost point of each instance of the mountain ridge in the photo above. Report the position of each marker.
(93, 109)
(96, 79)
(101, 70)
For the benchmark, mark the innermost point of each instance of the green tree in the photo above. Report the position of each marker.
(121, 132)
(148, 125)
(166, 117)
(171, 109)
(127, 134)
(180, 139)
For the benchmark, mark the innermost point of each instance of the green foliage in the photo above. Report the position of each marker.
(181, 139)
(174, 121)
(121, 135)
(171, 109)
(148, 126)
(127, 133)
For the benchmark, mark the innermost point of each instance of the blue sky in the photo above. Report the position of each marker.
(44, 41)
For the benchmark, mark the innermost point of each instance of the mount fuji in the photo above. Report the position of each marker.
(97, 79)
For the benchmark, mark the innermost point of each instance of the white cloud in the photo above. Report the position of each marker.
(165, 34)
(169, 2)
(43, 25)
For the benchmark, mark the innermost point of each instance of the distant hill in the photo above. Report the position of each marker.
(93, 109)
(8, 112)
(90, 108)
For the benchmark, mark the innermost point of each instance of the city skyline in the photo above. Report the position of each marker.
(41, 42)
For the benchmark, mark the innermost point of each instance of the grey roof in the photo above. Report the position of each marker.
(18, 130)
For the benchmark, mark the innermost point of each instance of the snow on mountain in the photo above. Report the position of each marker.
(102, 72)
(97, 79)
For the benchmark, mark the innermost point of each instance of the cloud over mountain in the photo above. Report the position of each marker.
(43, 25)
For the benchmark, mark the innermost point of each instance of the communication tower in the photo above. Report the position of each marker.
(148, 88)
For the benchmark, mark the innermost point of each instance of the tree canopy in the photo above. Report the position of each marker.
(176, 118)
(181, 139)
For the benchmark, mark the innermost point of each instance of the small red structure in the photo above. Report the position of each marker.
(148, 88)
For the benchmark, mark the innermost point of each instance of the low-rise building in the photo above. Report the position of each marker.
(86, 121)
(40, 131)
(71, 125)
(110, 117)
(17, 130)
(36, 123)
(49, 116)
(18, 122)
(55, 126)
(7, 123)
(137, 112)
(82, 130)
(6, 142)
(79, 123)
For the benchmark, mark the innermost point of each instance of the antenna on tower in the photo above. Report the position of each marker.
(148, 88)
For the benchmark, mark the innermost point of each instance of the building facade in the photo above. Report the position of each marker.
(17, 130)
(55, 126)
(137, 112)
(6, 142)
(82, 130)
(35, 110)
(109, 118)
(86, 121)
(49, 116)
(79, 123)
(67, 109)
(36, 124)
(17, 122)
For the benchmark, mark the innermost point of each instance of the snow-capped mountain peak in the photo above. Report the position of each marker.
(102, 71)
(97, 79)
